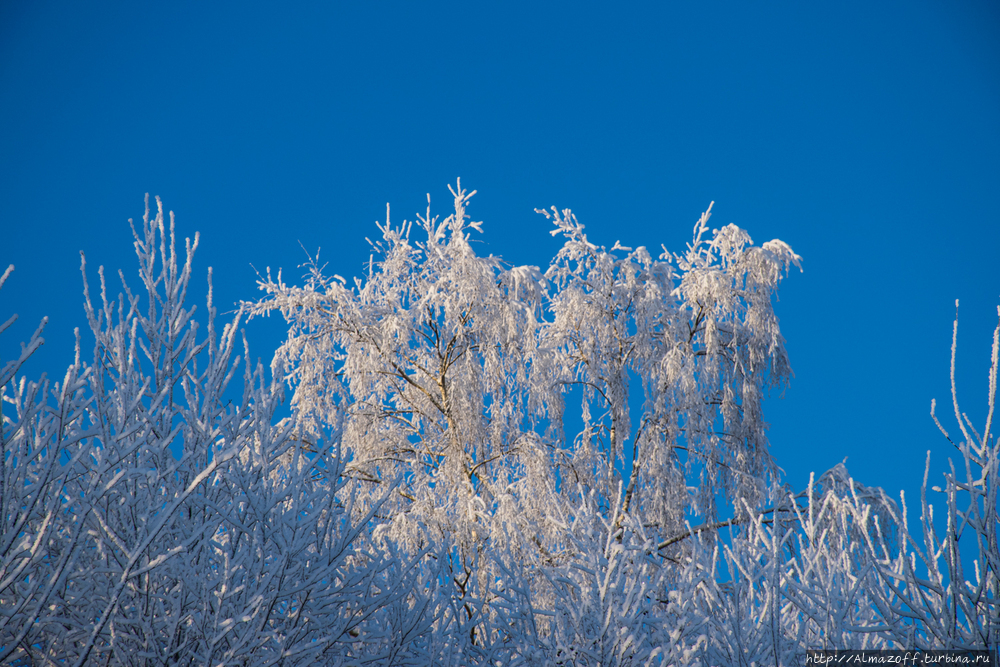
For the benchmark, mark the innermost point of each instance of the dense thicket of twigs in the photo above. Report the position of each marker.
(485, 464)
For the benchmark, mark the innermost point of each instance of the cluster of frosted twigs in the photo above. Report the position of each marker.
(484, 464)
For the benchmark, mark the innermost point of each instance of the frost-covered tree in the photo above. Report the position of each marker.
(555, 432)
(498, 393)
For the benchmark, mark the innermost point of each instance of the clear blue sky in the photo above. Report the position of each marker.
(866, 135)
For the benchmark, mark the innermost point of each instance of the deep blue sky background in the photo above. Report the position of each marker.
(866, 135)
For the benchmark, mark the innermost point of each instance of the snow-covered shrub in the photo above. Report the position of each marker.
(838, 565)
(794, 577)
(924, 591)
(619, 601)
(149, 518)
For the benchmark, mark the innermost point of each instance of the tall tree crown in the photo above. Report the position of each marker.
(458, 375)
